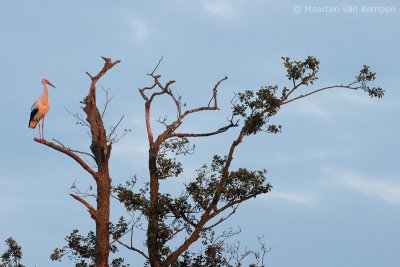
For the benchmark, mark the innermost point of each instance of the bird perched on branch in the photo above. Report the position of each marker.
(40, 108)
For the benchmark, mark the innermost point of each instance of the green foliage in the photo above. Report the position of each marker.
(178, 214)
(118, 262)
(81, 249)
(118, 230)
(256, 109)
(240, 185)
(303, 71)
(167, 164)
(213, 255)
(366, 76)
(131, 200)
(13, 255)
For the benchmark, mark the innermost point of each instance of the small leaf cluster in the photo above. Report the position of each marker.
(364, 77)
(213, 255)
(202, 189)
(301, 71)
(256, 108)
(13, 255)
(131, 200)
(240, 185)
(81, 249)
(167, 164)
(118, 230)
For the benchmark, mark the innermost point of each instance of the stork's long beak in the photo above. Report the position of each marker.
(50, 84)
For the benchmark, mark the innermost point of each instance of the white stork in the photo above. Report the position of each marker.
(40, 108)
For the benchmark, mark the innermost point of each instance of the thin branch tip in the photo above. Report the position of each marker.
(106, 59)
(109, 61)
(154, 70)
(88, 74)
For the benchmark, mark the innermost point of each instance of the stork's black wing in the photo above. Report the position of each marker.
(33, 113)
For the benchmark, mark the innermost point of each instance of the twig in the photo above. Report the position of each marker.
(113, 129)
(107, 101)
(133, 249)
(221, 219)
(152, 73)
(73, 150)
(75, 189)
(80, 119)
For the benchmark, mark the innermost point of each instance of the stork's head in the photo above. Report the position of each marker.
(45, 81)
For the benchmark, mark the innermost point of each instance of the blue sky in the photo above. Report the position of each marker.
(334, 167)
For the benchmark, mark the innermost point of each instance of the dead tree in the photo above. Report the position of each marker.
(100, 151)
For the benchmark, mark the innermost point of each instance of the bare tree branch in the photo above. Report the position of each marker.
(220, 130)
(208, 107)
(107, 101)
(133, 249)
(90, 208)
(215, 92)
(263, 248)
(85, 194)
(79, 117)
(73, 150)
(155, 68)
(109, 136)
(107, 65)
(70, 154)
(221, 219)
(318, 90)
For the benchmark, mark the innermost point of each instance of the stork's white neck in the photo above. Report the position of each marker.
(45, 92)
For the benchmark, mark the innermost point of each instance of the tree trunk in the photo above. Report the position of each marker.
(102, 225)
(152, 229)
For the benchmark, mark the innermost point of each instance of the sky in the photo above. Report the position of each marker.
(334, 168)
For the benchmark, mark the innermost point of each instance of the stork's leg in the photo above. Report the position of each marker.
(40, 134)
(43, 129)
